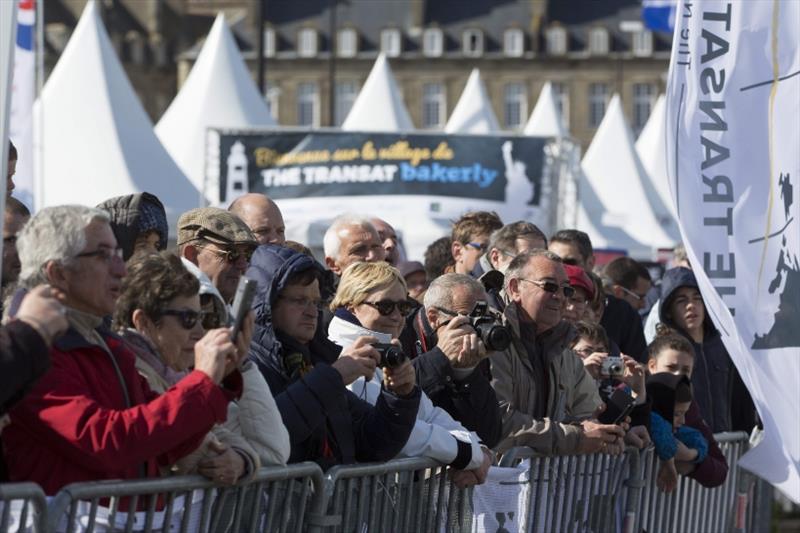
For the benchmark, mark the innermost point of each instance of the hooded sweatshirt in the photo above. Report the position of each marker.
(133, 215)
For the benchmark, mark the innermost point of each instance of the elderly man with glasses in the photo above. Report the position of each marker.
(92, 416)
(219, 243)
(547, 399)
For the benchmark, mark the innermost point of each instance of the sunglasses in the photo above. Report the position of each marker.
(386, 307)
(551, 286)
(187, 318)
(230, 256)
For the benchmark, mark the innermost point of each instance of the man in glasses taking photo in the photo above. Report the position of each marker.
(547, 400)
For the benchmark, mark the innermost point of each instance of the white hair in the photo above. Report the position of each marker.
(53, 234)
(331, 241)
(442, 289)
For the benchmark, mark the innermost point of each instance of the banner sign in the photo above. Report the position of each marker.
(733, 110)
(417, 182)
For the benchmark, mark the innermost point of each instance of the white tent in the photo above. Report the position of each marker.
(473, 112)
(545, 120)
(97, 140)
(652, 150)
(379, 106)
(612, 171)
(219, 92)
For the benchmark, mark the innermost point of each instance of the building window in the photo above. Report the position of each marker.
(642, 43)
(307, 42)
(307, 104)
(432, 42)
(434, 105)
(269, 42)
(271, 96)
(643, 94)
(598, 99)
(473, 43)
(390, 42)
(347, 43)
(561, 96)
(598, 41)
(515, 105)
(514, 42)
(346, 92)
(557, 41)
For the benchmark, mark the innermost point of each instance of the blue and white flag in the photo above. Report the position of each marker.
(733, 109)
(659, 15)
(23, 93)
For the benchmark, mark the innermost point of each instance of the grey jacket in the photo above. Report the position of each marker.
(572, 395)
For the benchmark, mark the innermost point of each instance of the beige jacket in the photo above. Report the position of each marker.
(572, 396)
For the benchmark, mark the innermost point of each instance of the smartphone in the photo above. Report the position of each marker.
(619, 405)
(242, 302)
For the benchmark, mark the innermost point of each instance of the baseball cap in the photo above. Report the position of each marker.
(579, 279)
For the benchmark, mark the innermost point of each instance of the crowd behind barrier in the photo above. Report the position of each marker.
(595, 493)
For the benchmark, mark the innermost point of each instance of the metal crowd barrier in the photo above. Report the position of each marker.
(692, 507)
(22, 507)
(276, 499)
(401, 495)
(574, 493)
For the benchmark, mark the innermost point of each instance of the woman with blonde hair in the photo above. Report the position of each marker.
(372, 300)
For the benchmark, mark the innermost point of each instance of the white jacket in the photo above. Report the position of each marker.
(436, 434)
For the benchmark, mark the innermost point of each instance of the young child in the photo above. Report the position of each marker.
(670, 353)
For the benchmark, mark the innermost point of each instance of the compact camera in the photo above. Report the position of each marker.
(392, 355)
(494, 335)
(612, 367)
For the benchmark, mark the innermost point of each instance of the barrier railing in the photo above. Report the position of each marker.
(401, 495)
(276, 499)
(22, 507)
(566, 493)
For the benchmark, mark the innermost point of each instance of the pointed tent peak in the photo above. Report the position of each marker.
(89, 96)
(613, 127)
(379, 106)
(654, 128)
(651, 147)
(545, 120)
(473, 112)
(220, 84)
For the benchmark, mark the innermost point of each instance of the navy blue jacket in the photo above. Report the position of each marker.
(326, 422)
(718, 389)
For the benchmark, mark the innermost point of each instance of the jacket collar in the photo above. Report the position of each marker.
(552, 341)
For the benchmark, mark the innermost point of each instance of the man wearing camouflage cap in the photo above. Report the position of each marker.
(219, 243)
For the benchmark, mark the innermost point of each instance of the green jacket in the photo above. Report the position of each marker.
(572, 396)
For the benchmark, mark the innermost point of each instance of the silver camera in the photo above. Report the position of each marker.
(613, 367)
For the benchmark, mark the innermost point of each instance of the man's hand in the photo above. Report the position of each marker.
(463, 478)
(594, 363)
(634, 377)
(358, 360)
(460, 343)
(41, 310)
(224, 468)
(638, 437)
(667, 479)
(212, 354)
(401, 379)
(597, 438)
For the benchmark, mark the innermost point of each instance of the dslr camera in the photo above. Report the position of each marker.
(494, 335)
(392, 355)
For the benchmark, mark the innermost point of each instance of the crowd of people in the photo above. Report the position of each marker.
(119, 362)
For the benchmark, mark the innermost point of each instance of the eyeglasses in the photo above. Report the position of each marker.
(230, 256)
(386, 307)
(105, 253)
(456, 313)
(637, 297)
(480, 246)
(302, 301)
(187, 317)
(551, 286)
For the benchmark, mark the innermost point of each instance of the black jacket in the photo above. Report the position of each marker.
(326, 422)
(624, 326)
(718, 389)
(472, 401)
(24, 357)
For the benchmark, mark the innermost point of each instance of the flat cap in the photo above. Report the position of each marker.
(214, 225)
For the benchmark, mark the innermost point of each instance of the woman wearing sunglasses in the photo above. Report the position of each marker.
(372, 301)
(159, 316)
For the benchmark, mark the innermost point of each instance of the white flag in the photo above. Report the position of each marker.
(23, 93)
(733, 143)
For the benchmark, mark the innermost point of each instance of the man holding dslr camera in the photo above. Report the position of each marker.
(548, 401)
(450, 357)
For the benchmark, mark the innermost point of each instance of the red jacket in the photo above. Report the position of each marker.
(76, 423)
(714, 468)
